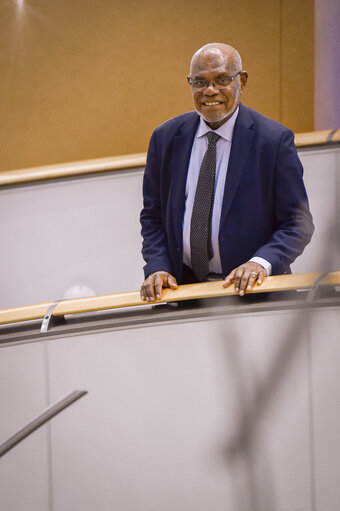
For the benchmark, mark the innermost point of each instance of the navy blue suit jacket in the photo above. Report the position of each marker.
(265, 209)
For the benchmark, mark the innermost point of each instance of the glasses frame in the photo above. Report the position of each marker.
(219, 87)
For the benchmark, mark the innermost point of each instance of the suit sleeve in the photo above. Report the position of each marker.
(293, 220)
(154, 248)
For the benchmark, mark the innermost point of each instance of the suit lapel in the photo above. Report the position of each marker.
(240, 147)
(180, 157)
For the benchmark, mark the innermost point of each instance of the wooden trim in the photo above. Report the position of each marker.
(77, 168)
(315, 138)
(24, 313)
(81, 168)
(186, 292)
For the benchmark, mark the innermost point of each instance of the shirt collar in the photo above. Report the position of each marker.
(225, 131)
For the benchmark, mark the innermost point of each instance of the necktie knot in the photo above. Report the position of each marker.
(212, 137)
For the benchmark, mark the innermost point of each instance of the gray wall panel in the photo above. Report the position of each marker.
(22, 380)
(234, 412)
(24, 471)
(24, 475)
(86, 232)
(195, 416)
(321, 178)
(326, 390)
(75, 232)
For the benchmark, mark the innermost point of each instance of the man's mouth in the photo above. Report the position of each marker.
(212, 103)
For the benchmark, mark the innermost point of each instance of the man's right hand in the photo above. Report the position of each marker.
(152, 286)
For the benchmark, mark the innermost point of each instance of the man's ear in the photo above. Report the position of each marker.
(244, 79)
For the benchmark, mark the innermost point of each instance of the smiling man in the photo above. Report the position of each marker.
(223, 191)
(216, 101)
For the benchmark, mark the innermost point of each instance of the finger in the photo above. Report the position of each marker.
(262, 274)
(238, 277)
(252, 278)
(229, 278)
(158, 286)
(146, 293)
(144, 290)
(172, 283)
(149, 288)
(244, 282)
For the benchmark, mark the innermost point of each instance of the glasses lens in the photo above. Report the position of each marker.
(199, 84)
(222, 82)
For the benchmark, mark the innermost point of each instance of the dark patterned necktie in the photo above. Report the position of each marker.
(200, 230)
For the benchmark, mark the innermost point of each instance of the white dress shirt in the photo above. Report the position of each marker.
(198, 150)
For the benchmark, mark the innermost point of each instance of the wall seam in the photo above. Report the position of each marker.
(49, 432)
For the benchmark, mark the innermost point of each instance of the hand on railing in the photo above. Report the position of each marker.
(152, 286)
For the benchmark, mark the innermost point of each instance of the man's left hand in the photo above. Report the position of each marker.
(245, 276)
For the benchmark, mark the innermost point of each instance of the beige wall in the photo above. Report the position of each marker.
(86, 78)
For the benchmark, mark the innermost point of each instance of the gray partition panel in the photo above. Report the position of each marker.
(218, 404)
(82, 235)
(325, 335)
(322, 180)
(184, 416)
(72, 233)
(24, 471)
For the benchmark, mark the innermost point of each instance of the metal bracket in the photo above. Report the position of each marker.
(313, 290)
(330, 136)
(49, 319)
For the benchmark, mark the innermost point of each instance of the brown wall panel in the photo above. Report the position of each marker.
(87, 79)
(297, 64)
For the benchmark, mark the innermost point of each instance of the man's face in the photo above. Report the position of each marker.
(216, 106)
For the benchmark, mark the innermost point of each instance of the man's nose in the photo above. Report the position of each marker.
(211, 89)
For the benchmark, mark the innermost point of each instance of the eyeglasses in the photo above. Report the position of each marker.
(219, 83)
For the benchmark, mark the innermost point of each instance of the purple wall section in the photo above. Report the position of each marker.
(327, 64)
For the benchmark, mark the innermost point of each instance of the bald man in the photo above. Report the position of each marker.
(223, 191)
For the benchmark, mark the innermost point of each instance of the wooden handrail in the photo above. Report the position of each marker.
(24, 313)
(315, 138)
(185, 292)
(77, 168)
(80, 168)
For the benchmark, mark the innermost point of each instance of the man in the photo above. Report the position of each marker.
(223, 189)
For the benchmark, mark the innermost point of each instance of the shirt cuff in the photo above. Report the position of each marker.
(264, 263)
